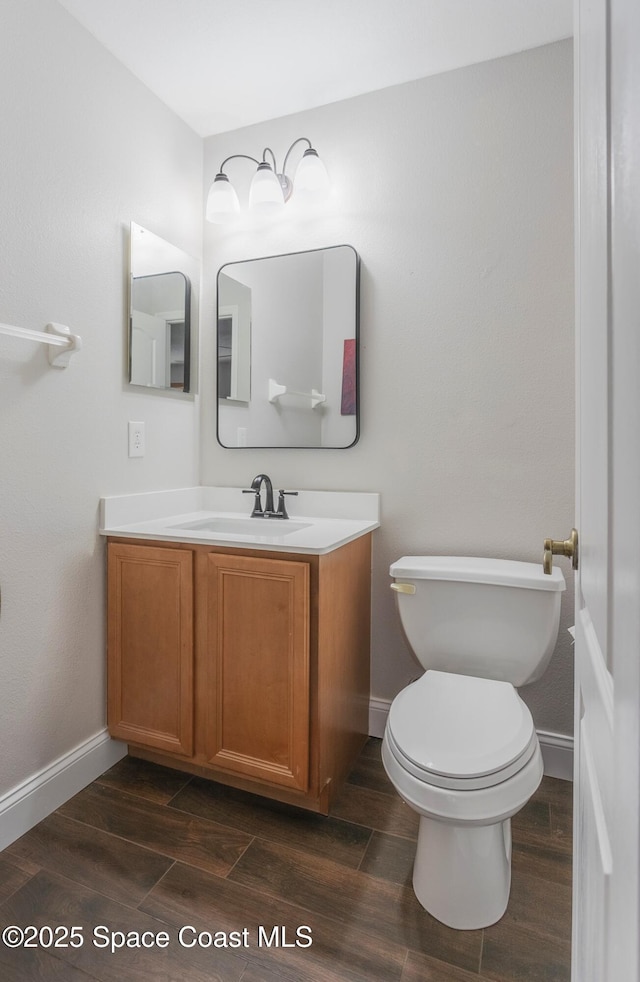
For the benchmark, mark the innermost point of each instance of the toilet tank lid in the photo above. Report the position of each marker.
(467, 569)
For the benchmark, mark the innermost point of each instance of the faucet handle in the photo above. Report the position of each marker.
(257, 503)
(281, 510)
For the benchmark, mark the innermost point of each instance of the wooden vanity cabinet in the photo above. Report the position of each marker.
(245, 666)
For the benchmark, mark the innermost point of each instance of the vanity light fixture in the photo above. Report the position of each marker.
(270, 188)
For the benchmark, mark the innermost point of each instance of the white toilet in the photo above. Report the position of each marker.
(460, 745)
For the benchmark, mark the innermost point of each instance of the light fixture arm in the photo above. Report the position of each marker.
(273, 157)
(233, 157)
(283, 180)
(301, 139)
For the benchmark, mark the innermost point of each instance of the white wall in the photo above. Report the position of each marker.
(85, 149)
(456, 190)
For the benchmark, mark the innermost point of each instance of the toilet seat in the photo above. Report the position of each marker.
(460, 732)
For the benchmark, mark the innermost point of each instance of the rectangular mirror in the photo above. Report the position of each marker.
(288, 350)
(160, 313)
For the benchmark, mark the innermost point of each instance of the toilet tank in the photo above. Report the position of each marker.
(492, 618)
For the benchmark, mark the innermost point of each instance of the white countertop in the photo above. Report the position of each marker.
(330, 518)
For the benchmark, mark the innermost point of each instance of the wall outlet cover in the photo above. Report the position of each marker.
(136, 439)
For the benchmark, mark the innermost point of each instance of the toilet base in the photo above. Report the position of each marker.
(462, 873)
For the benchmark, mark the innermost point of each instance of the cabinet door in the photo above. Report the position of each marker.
(150, 663)
(257, 706)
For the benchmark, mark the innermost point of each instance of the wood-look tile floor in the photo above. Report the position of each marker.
(146, 849)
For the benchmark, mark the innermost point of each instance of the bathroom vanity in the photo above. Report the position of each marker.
(241, 655)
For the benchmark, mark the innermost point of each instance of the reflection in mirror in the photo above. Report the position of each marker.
(160, 331)
(288, 350)
(160, 312)
(234, 340)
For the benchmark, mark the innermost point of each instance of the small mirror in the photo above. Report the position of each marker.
(288, 350)
(160, 313)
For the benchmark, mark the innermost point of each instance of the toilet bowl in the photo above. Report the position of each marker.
(460, 745)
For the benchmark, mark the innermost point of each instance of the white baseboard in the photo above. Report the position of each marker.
(557, 749)
(34, 799)
(557, 753)
(378, 712)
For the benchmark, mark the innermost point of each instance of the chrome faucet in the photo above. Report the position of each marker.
(268, 511)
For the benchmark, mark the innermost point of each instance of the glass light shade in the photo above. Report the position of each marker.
(265, 193)
(222, 201)
(311, 182)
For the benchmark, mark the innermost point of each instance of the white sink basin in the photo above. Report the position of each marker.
(244, 526)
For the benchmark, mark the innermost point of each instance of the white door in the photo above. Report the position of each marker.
(149, 343)
(607, 747)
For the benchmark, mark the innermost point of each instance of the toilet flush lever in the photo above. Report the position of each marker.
(403, 587)
(559, 547)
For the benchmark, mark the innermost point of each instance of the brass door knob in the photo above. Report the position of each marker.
(559, 547)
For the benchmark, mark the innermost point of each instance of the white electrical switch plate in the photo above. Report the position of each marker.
(136, 439)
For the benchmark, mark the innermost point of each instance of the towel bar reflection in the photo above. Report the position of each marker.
(276, 390)
(55, 335)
